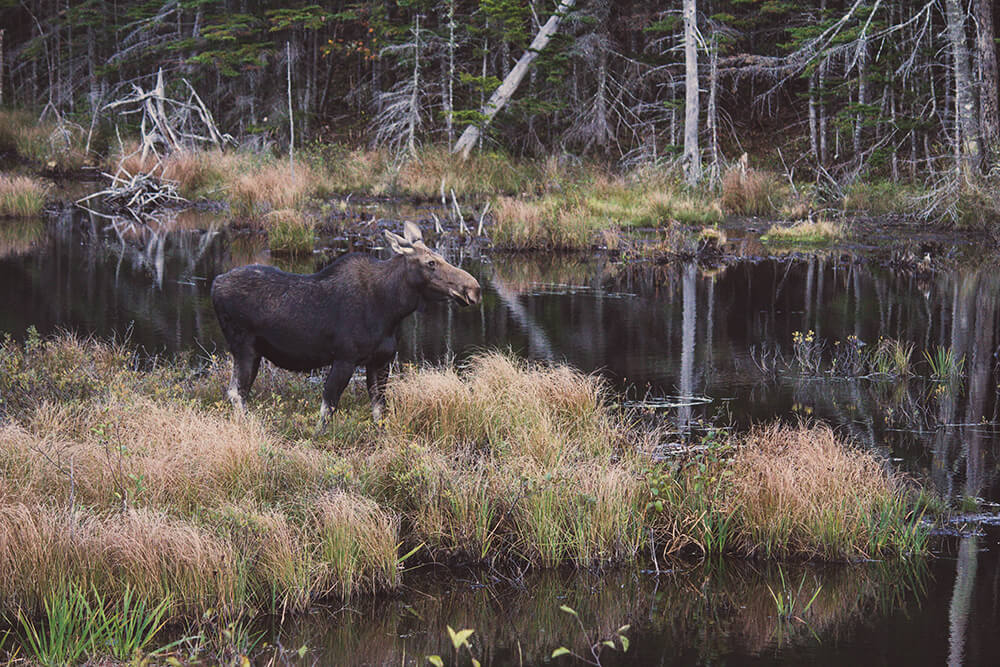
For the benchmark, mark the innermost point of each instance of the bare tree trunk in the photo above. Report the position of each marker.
(713, 111)
(510, 83)
(822, 112)
(692, 156)
(967, 122)
(813, 118)
(859, 118)
(986, 55)
(411, 142)
(1, 66)
(450, 92)
(291, 115)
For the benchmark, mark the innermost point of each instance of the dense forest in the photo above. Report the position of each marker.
(889, 89)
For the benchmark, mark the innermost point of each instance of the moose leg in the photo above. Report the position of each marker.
(378, 375)
(245, 367)
(336, 382)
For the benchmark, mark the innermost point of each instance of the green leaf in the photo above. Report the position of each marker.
(610, 644)
(569, 610)
(302, 650)
(562, 650)
(435, 660)
(624, 640)
(460, 638)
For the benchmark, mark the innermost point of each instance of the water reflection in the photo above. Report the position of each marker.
(709, 612)
(655, 331)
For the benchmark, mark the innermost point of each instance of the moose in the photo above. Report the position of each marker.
(344, 316)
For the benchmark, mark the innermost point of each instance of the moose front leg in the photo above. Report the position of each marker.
(377, 378)
(336, 381)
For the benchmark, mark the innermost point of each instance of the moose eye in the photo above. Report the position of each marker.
(432, 264)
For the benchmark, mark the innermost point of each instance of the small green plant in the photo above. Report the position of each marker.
(786, 599)
(459, 640)
(945, 365)
(595, 644)
(127, 627)
(891, 357)
(69, 630)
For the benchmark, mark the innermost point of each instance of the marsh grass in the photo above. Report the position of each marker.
(54, 146)
(799, 490)
(289, 232)
(573, 219)
(134, 481)
(753, 192)
(21, 196)
(805, 232)
(883, 198)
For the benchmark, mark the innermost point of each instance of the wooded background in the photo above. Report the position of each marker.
(895, 88)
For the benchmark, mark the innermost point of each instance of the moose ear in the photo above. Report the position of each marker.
(399, 245)
(412, 232)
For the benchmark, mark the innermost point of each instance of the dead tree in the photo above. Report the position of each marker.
(502, 95)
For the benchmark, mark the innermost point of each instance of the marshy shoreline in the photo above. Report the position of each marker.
(120, 483)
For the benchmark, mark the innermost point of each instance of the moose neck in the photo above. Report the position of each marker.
(393, 291)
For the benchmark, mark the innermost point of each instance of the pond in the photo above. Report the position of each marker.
(721, 345)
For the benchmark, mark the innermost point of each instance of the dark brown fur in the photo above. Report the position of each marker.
(345, 316)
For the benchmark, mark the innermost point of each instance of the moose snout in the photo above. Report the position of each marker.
(473, 294)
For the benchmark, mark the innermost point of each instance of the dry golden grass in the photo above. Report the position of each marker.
(801, 490)
(752, 192)
(43, 547)
(21, 196)
(147, 453)
(551, 414)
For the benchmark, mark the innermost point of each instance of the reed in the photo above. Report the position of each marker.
(21, 196)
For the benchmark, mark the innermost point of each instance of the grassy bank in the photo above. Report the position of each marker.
(110, 476)
(48, 144)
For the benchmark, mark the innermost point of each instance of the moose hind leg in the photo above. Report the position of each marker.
(336, 382)
(377, 378)
(245, 367)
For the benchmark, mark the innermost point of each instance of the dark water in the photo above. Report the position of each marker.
(707, 344)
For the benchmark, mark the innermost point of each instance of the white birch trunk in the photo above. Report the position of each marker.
(510, 83)
(692, 156)
(967, 121)
(713, 112)
(450, 95)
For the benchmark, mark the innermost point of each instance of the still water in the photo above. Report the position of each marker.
(704, 345)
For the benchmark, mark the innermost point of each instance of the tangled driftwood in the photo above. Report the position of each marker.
(167, 126)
